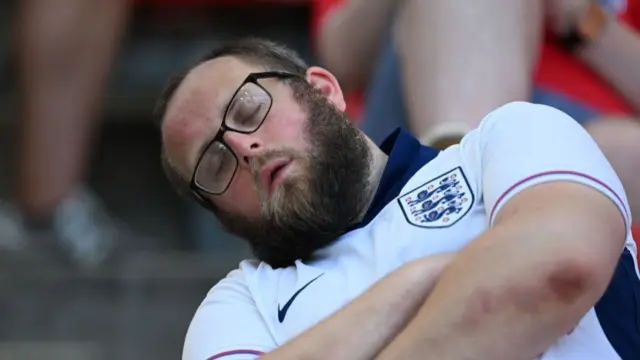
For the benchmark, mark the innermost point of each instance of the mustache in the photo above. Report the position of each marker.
(256, 163)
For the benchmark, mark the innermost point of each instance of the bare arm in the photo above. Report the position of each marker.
(615, 56)
(367, 324)
(529, 279)
(350, 37)
(559, 221)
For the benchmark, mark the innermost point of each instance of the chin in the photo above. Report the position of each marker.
(293, 188)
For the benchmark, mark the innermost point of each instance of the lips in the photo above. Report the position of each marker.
(271, 171)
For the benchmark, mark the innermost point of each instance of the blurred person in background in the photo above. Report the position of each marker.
(436, 66)
(443, 51)
(65, 50)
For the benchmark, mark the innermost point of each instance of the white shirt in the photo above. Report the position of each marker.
(429, 202)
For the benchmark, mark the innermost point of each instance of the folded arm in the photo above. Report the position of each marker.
(228, 325)
(559, 222)
(361, 329)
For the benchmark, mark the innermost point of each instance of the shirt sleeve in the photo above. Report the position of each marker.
(521, 145)
(228, 325)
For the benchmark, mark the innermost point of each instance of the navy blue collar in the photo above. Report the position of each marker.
(406, 157)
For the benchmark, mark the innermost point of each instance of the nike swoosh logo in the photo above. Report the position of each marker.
(283, 312)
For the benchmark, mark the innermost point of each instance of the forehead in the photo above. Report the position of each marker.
(195, 110)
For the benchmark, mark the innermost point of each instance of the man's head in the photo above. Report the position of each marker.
(261, 139)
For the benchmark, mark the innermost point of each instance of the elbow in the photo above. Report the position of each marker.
(579, 258)
(584, 269)
(571, 279)
(567, 285)
(584, 272)
(566, 281)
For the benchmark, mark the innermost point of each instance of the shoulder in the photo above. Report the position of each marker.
(519, 112)
(245, 282)
(229, 321)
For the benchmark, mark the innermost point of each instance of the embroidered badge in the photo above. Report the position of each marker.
(440, 202)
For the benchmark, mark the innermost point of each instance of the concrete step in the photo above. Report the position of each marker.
(137, 310)
(137, 266)
(51, 350)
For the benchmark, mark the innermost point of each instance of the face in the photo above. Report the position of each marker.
(302, 177)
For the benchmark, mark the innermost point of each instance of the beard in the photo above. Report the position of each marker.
(310, 210)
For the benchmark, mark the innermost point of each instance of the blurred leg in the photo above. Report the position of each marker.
(461, 59)
(66, 49)
(619, 139)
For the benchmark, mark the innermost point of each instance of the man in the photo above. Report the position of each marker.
(512, 245)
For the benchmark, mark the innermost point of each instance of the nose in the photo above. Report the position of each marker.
(245, 146)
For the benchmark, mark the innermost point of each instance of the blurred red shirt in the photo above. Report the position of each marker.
(560, 70)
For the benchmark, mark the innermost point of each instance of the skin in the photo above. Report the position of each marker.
(62, 74)
(195, 114)
(315, 202)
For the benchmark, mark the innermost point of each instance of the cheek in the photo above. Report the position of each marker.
(287, 130)
(241, 197)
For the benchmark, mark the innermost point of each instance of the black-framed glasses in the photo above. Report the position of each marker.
(245, 113)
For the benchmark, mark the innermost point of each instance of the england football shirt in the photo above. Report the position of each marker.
(429, 202)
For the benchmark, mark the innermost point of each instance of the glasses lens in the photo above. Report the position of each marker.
(248, 108)
(216, 168)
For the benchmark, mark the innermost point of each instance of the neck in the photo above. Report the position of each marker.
(379, 162)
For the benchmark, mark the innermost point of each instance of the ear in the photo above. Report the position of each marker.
(324, 81)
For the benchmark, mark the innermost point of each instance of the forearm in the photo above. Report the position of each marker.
(349, 39)
(486, 298)
(364, 326)
(512, 292)
(615, 56)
